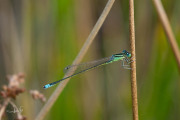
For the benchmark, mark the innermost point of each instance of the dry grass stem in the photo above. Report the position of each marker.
(79, 57)
(167, 28)
(133, 64)
(3, 107)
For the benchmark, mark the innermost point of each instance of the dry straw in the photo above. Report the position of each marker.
(167, 28)
(133, 64)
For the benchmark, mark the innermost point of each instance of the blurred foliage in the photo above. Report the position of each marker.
(41, 37)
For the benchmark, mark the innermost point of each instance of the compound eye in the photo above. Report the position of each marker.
(124, 51)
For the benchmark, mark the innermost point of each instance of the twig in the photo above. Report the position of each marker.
(133, 64)
(167, 28)
(6, 102)
(79, 57)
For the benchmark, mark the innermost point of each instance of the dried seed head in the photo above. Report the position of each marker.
(37, 95)
(12, 90)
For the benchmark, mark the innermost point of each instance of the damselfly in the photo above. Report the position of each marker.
(83, 67)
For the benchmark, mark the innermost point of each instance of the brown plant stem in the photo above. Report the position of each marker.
(133, 64)
(6, 102)
(167, 28)
(79, 57)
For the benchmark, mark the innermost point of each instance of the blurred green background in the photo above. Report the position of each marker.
(41, 37)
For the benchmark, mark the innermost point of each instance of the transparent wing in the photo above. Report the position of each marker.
(87, 66)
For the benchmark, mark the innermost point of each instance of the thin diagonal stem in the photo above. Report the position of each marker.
(79, 57)
(167, 28)
(133, 64)
(6, 102)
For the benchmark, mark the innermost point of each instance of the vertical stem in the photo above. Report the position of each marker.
(133, 64)
(167, 28)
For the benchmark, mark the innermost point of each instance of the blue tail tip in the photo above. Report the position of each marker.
(46, 86)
